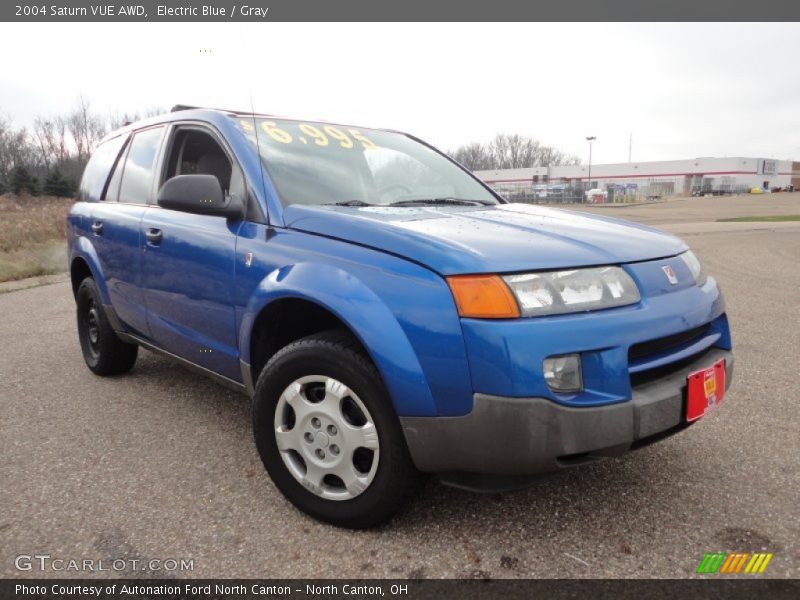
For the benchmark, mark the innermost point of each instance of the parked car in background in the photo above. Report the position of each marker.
(596, 195)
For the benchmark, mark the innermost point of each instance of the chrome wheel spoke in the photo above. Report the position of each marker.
(354, 482)
(365, 436)
(287, 440)
(336, 388)
(293, 395)
(312, 479)
(335, 392)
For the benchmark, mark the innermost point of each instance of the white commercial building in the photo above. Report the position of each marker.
(646, 179)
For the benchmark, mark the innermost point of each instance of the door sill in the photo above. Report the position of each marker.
(221, 379)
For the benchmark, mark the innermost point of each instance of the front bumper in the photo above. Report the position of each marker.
(517, 437)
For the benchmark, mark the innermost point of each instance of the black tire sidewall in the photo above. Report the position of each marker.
(87, 292)
(113, 355)
(381, 498)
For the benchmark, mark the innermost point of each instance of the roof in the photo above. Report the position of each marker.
(180, 112)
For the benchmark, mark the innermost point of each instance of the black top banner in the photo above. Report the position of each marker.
(401, 10)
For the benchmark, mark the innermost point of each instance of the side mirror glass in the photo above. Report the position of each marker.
(199, 194)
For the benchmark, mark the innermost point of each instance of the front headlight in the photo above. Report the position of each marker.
(695, 267)
(576, 290)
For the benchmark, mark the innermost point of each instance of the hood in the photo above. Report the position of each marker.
(497, 239)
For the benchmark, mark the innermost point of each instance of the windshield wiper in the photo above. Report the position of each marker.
(349, 203)
(440, 201)
(416, 202)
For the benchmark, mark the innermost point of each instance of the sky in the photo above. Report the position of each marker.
(680, 90)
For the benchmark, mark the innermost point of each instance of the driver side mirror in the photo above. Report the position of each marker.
(199, 194)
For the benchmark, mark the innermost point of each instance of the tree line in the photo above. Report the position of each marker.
(48, 158)
(511, 151)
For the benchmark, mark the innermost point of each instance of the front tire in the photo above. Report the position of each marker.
(328, 435)
(103, 351)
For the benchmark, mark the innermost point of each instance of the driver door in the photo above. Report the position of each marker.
(188, 265)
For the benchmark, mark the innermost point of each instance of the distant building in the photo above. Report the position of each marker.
(655, 179)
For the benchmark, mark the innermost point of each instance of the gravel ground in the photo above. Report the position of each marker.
(160, 463)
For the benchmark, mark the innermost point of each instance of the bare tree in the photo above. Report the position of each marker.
(15, 150)
(510, 151)
(513, 151)
(57, 144)
(117, 120)
(85, 129)
(50, 137)
(474, 156)
(6, 134)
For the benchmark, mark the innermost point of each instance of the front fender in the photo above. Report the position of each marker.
(83, 248)
(367, 316)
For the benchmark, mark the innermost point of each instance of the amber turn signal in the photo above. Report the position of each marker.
(483, 297)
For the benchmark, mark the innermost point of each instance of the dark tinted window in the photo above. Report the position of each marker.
(194, 151)
(137, 178)
(197, 152)
(97, 170)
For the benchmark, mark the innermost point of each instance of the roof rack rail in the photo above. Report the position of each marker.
(179, 107)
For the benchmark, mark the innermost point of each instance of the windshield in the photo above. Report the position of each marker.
(319, 163)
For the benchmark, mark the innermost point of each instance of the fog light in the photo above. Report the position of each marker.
(563, 373)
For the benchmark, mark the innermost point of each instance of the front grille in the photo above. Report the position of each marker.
(665, 370)
(644, 349)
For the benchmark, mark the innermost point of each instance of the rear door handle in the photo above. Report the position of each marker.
(154, 236)
(97, 227)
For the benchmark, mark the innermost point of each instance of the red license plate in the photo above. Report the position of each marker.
(705, 390)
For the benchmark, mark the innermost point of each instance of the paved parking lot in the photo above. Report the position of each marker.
(160, 463)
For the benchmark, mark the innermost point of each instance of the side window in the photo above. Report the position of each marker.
(137, 178)
(112, 189)
(197, 152)
(97, 170)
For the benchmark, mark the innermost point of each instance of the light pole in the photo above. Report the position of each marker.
(590, 139)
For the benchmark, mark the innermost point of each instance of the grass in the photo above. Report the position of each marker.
(32, 236)
(772, 218)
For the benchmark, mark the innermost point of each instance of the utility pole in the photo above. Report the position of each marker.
(590, 139)
(630, 147)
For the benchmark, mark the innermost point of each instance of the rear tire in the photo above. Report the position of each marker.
(343, 457)
(103, 351)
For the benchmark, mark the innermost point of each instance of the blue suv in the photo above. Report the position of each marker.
(388, 313)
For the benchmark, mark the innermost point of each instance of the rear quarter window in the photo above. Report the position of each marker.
(98, 168)
(137, 177)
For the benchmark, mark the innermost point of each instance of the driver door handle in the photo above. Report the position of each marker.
(154, 236)
(97, 227)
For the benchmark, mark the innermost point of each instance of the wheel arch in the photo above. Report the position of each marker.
(84, 262)
(78, 271)
(285, 320)
(316, 295)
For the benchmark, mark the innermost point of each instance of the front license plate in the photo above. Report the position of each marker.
(705, 390)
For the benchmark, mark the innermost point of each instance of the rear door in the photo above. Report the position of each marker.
(188, 268)
(116, 227)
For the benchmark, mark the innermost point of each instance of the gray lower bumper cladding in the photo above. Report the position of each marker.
(518, 437)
